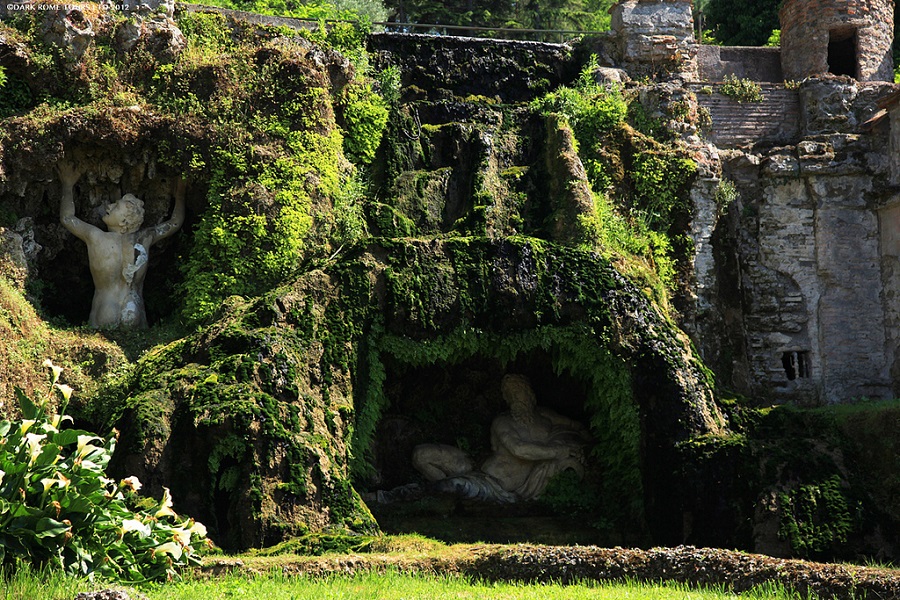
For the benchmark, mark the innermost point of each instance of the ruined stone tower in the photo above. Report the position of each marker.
(842, 37)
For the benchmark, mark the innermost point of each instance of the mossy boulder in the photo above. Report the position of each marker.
(817, 484)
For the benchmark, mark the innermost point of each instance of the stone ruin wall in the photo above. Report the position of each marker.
(807, 26)
(806, 263)
(808, 248)
(796, 288)
(653, 36)
(810, 253)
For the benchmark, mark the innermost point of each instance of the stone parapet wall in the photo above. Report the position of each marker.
(745, 62)
(807, 27)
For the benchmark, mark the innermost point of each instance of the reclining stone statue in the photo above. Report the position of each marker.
(118, 257)
(530, 445)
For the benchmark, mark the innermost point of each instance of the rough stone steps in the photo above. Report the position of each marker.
(775, 120)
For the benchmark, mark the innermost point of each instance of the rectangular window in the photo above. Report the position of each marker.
(842, 49)
(796, 364)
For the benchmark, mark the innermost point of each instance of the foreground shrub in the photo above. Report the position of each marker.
(58, 508)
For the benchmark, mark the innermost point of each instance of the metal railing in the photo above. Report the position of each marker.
(562, 35)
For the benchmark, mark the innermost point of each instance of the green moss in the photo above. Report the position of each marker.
(816, 517)
(822, 479)
(364, 115)
(316, 544)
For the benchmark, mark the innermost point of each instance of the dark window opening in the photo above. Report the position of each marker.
(796, 364)
(842, 58)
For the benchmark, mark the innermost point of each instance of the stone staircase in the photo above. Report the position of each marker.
(775, 120)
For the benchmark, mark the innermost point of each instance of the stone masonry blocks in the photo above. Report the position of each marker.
(808, 26)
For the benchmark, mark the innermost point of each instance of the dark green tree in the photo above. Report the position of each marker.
(741, 22)
(590, 15)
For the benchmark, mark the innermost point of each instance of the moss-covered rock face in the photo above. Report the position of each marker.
(295, 338)
(816, 484)
(247, 116)
(251, 421)
(445, 67)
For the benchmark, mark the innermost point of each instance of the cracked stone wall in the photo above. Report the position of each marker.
(655, 36)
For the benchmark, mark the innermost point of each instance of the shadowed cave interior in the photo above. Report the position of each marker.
(455, 404)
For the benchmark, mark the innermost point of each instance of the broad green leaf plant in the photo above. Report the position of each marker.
(58, 509)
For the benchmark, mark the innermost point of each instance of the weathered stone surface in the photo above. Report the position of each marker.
(714, 63)
(70, 31)
(607, 75)
(734, 123)
(572, 201)
(810, 262)
(826, 105)
(655, 35)
(13, 264)
(865, 27)
(510, 70)
(157, 33)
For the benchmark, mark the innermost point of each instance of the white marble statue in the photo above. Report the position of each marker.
(118, 257)
(530, 445)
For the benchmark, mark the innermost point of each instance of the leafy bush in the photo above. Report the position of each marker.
(659, 179)
(58, 508)
(725, 195)
(742, 90)
(389, 85)
(370, 10)
(590, 108)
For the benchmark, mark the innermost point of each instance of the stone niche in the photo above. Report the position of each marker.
(841, 37)
(56, 272)
(455, 404)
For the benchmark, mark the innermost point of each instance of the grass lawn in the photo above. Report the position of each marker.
(27, 585)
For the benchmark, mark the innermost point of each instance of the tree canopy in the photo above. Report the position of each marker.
(741, 22)
(589, 15)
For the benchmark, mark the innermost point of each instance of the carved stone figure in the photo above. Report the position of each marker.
(530, 445)
(118, 257)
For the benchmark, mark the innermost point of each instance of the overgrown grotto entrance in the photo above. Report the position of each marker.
(455, 399)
